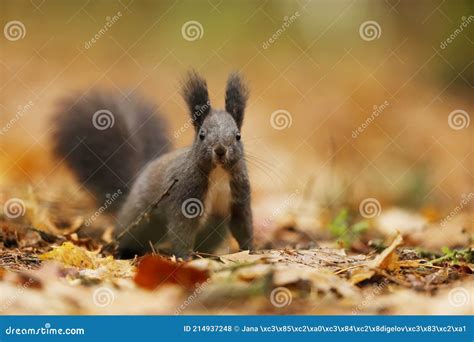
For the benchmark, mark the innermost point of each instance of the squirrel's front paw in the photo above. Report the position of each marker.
(248, 246)
(128, 253)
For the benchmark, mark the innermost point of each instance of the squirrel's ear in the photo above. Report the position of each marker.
(195, 94)
(236, 96)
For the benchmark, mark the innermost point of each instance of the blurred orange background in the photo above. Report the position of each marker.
(316, 70)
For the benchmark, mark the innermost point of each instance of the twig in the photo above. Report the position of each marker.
(394, 279)
(144, 213)
(342, 270)
(46, 236)
(153, 250)
(205, 255)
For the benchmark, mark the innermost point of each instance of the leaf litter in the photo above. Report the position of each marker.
(46, 269)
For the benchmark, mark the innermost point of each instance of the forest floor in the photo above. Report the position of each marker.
(397, 262)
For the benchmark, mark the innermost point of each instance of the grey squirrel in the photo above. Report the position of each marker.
(129, 149)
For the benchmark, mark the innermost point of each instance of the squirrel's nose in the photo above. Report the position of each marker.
(220, 150)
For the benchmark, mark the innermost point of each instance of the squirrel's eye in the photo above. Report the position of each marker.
(238, 136)
(202, 135)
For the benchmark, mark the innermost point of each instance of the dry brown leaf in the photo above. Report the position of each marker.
(243, 256)
(387, 260)
(397, 220)
(438, 277)
(361, 274)
(411, 263)
(322, 280)
(380, 260)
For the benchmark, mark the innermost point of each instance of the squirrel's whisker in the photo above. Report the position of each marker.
(267, 165)
(274, 176)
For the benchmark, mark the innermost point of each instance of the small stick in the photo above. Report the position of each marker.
(144, 213)
(394, 279)
(204, 255)
(153, 250)
(342, 270)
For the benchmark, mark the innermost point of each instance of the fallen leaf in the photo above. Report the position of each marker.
(387, 260)
(399, 220)
(361, 274)
(243, 256)
(463, 268)
(25, 280)
(411, 263)
(89, 263)
(381, 260)
(415, 281)
(321, 280)
(456, 232)
(390, 263)
(71, 255)
(438, 277)
(154, 271)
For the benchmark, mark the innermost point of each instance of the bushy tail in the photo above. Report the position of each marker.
(106, 140)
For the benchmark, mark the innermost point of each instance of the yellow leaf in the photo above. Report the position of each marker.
(90, 264)
(71, 255)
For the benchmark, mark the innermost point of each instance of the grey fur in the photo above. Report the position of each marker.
(107, 160)
(216, 147)
(192, 167)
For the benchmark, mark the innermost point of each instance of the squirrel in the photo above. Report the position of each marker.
(112, 144)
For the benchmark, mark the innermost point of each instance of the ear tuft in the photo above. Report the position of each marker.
(236, 96)
(194, 91)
